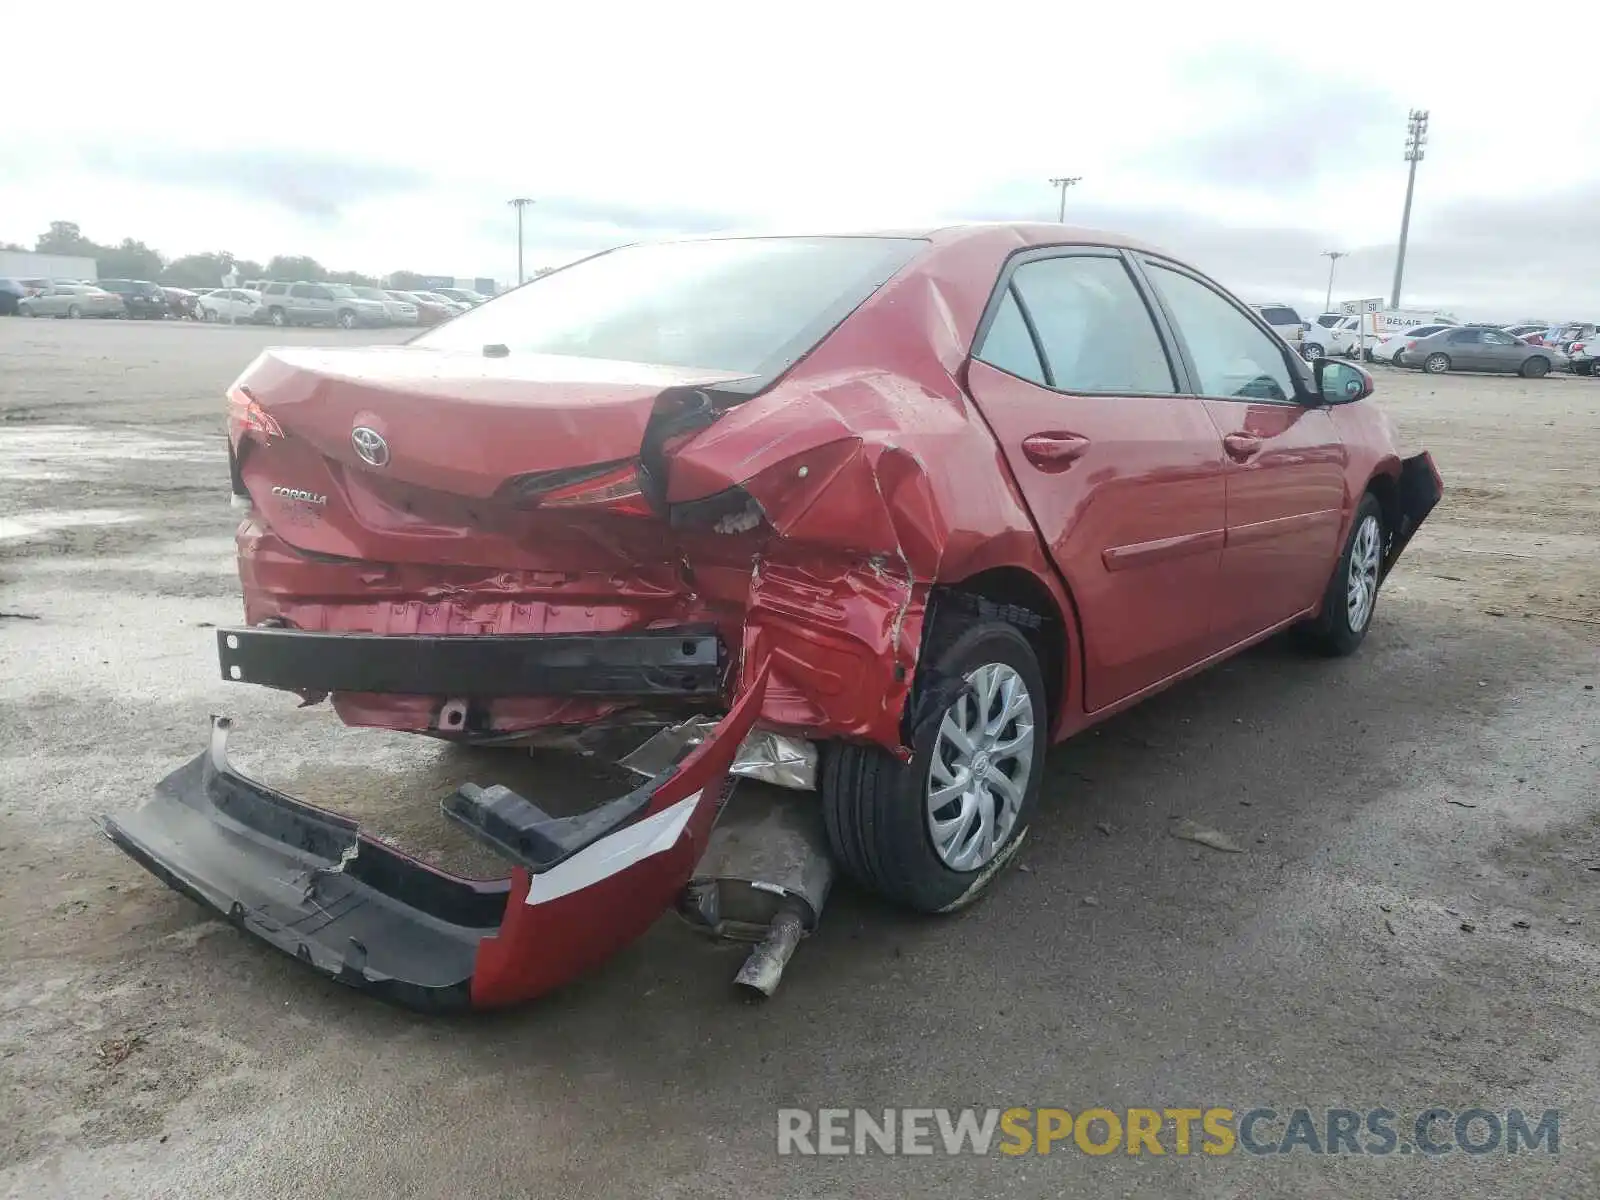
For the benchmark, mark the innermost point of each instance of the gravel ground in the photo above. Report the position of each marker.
(1442, 779)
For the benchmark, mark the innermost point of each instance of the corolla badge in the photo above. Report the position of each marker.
(369, 444)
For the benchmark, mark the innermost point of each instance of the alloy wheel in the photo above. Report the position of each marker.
(1361, 592)
(982, 759)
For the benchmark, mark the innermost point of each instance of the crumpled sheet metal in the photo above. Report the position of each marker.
(772, 757)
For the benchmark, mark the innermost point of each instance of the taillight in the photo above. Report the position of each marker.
(245, 415)
(613, 486)
(1577, 347)
(1411, 345)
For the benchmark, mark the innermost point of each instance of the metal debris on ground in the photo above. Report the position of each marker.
(1461, 804)
(115, 1051)
(1468, 927)
(1190, 831)
(1519, 923)
(1104, 827)
(1091, 902)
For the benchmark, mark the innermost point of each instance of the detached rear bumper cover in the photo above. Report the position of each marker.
(310, 883)
(1420, 490)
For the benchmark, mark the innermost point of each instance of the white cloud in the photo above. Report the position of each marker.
(641, 119)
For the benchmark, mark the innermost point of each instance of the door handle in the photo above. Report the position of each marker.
(1054, 451)
(1241, 446)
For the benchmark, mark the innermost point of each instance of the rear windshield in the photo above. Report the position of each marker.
(752, 305)
(367, 293)
(1277, 314)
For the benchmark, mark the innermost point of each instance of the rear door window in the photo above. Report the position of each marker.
(1096, 333)
(1008, 345)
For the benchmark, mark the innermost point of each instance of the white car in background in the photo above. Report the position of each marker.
(1389, 350)
(1285, 322)
(1340, 338)
(238, 306)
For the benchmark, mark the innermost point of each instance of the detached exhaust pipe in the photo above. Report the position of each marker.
(764, 878)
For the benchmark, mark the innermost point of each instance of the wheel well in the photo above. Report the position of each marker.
(1014, 587)
(1387, 492)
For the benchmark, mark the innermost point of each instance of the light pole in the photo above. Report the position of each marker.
(1416, 139)
(1063, 183)
(1333, 257)
(520, 203)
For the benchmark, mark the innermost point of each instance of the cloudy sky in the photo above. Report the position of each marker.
(1244, 137)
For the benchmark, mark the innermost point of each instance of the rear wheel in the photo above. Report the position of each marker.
(74, 311)
(277, 316)
(931, 834)
(1536, 367)
(1436, 364)
(1352, 595)
(347, 319)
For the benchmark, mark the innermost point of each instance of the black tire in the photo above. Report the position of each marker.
(1436, 364)
(1536, 367)
(875, 807)
(74, 312)
(346, 319)
(277, 316)
(1583, 368)
(1332, 632)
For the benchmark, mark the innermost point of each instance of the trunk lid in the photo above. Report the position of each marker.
(462, 423)
(408, 455)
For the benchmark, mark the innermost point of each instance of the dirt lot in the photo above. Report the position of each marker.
(1443, 778)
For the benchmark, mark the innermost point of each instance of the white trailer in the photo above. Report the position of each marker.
(24, 264)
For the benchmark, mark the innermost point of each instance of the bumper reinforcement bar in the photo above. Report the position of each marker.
(662, 662)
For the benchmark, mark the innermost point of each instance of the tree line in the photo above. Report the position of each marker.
(135, 260)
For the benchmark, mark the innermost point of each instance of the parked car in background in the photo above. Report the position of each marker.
(1572, 331)
(1285, 322)
(320, 304)
(399, 312)
(462, 295)
(11, 293)
(73, 300)
(34, 286)
(144, 301)
(431, 310)
(1391, 348)
(1532, 334)
(455, 306)
(181, 303)
(238, 306)
(1471, 348)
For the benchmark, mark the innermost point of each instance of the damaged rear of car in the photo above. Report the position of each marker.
(609, 499)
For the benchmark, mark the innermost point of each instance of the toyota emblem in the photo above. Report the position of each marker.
(369, 444)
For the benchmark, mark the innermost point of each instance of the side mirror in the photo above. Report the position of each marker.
(1341, 382)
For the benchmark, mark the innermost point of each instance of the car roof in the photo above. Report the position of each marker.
(1023, 233)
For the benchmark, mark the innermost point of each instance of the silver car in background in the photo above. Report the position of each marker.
(1477, 348)
(399, 312)
(72, 300)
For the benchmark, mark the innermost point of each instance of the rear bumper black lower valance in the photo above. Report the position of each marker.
(682, 662)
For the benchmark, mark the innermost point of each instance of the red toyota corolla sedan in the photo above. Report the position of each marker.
(911, 506)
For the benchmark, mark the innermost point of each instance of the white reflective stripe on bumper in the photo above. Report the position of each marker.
(655, 834)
